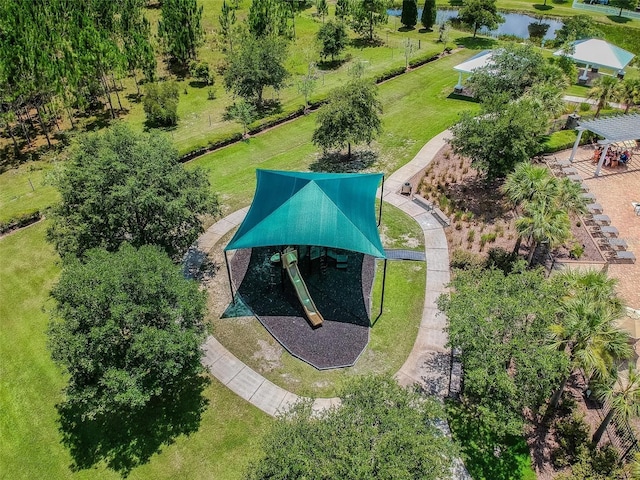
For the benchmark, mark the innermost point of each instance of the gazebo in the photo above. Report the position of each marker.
(620, 128)
(597, 53)
(480, 60)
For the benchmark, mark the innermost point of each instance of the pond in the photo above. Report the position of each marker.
(516, 24)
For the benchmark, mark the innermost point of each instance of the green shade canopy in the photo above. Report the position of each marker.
(300, 208)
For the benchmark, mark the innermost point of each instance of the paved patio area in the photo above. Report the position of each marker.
(615, 189)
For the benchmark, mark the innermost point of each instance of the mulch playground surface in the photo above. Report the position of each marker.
(342, 296)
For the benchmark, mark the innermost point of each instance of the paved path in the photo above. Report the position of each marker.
(427, 363)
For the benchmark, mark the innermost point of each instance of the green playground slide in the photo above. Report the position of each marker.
(290, 264)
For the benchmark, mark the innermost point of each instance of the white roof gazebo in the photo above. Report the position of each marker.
(479, 60)
(619, 128)
(594, 52)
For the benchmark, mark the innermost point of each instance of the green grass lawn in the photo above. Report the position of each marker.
(479, 453)
(412, 116)
(26, 189)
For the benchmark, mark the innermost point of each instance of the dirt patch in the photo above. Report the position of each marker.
(481, 218)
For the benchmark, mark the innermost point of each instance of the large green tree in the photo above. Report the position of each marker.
(500, 324)
(180, 29)
(366, 15)
(623, 397)
(577, 27)
(121, 186)
(428, 17)
(585, 328)
(333, 39)
(624, 5)
(381, 431)
(127, 329)
(512, 71)
(409, 17)
(258, 63)
(629, 92)
(480, 13)
(351, 116)
(500, 137)
(270, 17)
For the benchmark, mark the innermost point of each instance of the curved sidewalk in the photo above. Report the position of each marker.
(426, 365)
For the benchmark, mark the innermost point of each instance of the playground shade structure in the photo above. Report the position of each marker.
(335, 210)
(290, 264)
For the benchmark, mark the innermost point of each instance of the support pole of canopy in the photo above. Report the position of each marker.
(606, 144)
(577, 142)
(459, 85)
(381, 194)
(384, 282)
(584, 75)
(226, 261)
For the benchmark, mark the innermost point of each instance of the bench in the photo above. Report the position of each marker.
(423, 202)
(588, 196)
(594, 207)
(563, 163)
(570, 170)
(618, 243)
(575, 177)
(603, 219)
(625, 257)
(609, 231)
(441, 217)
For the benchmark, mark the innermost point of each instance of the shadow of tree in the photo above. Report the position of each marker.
(478, 43)
(337, 162)
(478, 196)
(486, 456)
(128, 439)
(618, 19)
(542, 7)
(366, 42)
(333, 64)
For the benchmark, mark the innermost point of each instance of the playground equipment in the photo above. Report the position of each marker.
(290, 264)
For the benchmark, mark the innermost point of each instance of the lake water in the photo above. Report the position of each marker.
(515, 23)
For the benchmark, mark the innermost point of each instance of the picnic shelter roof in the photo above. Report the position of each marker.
(599, 53)
(334, 210)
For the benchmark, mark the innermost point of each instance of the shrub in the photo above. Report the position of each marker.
(573, 435)
(468, 216)
(500, 258)
(458, 216)
(464, 260)
(584, 107)
(200, 71)
(161, 104)
(576, 251)
(488, 237)
(471, 236)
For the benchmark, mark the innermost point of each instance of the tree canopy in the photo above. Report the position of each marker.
(119, 186)
(258, 63)
(381, 431)
(501, 137)
(428, 17)
(480, 13)
(351, 116)
(180, 28)
(577, 27)
(409, 16)
(333, 39)
(500, 324)
(366, 15)
(127, 328)
(513, 71)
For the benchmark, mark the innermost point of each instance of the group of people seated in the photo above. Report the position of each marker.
(615, 156)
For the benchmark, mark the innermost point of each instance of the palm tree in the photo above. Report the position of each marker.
(628, 92)
(543, 222)
(604, 90)
(587, 331)
(624, 399)
(526, 182)
(569, 196)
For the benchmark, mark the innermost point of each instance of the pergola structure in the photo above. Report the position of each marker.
(334, 210)
(597, 53)
(620, 128)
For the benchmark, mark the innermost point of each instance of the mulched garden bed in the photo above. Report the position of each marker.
(342, 296)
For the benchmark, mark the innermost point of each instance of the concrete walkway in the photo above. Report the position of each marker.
(427, 364)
